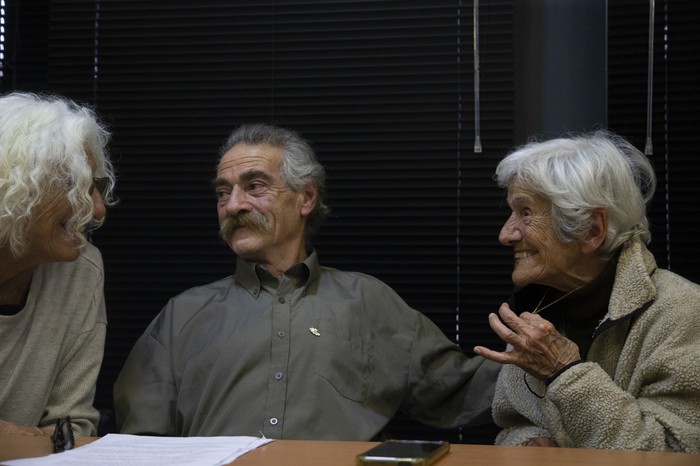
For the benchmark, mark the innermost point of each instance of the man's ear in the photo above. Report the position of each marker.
(309, 199)
(597, 232)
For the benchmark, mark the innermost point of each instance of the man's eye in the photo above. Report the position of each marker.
(222, 195)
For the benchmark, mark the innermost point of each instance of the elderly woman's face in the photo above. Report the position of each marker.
(540, 257)
(50, 240)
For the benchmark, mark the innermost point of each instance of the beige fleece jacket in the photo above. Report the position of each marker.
(640, 386)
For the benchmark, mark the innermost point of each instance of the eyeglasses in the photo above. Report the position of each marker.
(62, 437)
(101, 185)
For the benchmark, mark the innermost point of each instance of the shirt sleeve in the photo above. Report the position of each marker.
(447, 388)
(145, 391)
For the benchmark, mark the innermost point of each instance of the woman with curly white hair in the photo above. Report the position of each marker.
(55, 181)
(603, 345)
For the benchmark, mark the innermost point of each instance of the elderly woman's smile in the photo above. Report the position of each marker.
(540, 256)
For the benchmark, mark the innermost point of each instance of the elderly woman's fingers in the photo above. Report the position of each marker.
(502, 357)
(537, 347)
(505, 333)
(508, 316)
(504, 327)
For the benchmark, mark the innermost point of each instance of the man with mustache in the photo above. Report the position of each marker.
(287, 348)
(251, 220)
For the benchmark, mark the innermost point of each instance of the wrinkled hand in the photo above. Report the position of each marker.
(537, 346)
(541, 442)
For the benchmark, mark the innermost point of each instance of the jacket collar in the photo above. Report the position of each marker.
(633, 287)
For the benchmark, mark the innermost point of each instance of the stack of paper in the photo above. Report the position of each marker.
(136, 450)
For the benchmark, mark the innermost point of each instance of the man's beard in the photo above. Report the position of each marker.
(252, 220)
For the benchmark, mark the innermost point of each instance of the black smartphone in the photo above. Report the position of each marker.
(404, 453)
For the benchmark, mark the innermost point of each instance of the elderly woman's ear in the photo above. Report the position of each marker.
(598, 231)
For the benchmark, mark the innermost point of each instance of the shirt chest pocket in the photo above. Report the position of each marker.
(343, 364)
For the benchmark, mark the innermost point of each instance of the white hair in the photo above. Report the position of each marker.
(45, 142)
(584, 172)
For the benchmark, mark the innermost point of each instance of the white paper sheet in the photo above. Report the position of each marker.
(136, 450)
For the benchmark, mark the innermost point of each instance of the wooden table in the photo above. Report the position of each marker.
(327, 453)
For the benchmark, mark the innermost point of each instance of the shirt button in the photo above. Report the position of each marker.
(281, 299)
(279, 376)
(281, 334)
(274, 421)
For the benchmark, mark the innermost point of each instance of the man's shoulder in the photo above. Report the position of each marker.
(205, 291)
(348, 278)
(362, 287)
(182, 308)
(349, 275)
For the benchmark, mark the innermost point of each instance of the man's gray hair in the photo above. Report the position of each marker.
(299, 164)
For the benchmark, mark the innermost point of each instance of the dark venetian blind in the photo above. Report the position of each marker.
(675, 115)
(382, 89)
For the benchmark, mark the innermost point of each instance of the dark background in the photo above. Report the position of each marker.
(385, 91)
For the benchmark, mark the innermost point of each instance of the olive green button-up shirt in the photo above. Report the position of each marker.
(319, 354)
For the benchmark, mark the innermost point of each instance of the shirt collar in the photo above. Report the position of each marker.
(250, 274)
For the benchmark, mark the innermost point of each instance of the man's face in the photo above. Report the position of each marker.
(261, 219)
(540, 256)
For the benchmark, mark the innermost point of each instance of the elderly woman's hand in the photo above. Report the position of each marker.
(541, 442)
(8, 428)
(538, 348)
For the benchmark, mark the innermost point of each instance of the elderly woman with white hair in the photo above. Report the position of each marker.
(55, 180)
(603, 345)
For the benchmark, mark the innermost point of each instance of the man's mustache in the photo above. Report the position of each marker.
(252, 220)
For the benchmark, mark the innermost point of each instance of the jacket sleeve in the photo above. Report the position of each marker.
(516, 409)
(652, 402)
(587, 409)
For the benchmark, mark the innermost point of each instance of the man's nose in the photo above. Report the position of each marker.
(237, 201)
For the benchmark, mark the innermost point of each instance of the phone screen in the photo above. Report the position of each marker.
(408, 452)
